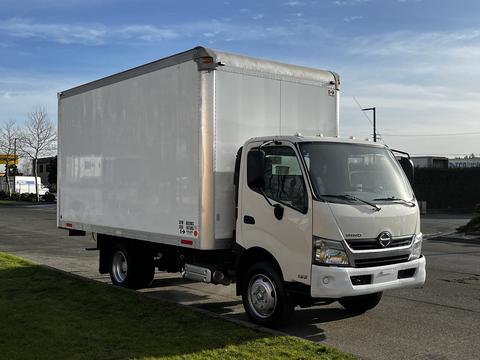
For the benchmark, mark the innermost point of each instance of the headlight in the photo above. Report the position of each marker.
(417, 247)
(329, 252)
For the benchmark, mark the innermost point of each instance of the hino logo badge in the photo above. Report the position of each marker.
(357, 235)
(384, 239)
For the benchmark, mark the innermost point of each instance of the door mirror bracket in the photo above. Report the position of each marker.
(277, 208)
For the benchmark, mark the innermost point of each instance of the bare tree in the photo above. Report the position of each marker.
(8, 136)
(38, 138)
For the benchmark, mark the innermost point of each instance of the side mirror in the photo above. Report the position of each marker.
(278, 211)
(256, 169)
(407, 166)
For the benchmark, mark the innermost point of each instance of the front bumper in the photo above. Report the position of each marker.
(335, 282)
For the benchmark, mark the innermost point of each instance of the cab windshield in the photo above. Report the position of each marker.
(340, 172)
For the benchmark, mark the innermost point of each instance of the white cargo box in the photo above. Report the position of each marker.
(149, 153)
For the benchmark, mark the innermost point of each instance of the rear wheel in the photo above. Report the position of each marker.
(130, 268)
(264, 297)
(362, 303)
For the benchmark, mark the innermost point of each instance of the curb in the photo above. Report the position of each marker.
(199, 310)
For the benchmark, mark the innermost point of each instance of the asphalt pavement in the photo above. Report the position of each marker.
(437, 321)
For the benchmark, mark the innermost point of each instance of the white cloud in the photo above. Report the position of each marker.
(406, 42)
(88, 34)
(20, 93)
(98, 34)
(352, 18)
(420, 82)
(295, 3)
(350, 2)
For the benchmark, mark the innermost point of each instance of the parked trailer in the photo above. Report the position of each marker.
(229, 169)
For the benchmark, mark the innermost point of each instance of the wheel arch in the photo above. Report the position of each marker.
(252, 256)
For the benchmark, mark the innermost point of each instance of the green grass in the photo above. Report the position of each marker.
(8, 202)
(46, 314)
(14, 202)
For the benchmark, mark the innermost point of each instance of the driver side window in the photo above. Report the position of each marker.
(283, 177)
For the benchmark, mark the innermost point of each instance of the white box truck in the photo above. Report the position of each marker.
(229, 169)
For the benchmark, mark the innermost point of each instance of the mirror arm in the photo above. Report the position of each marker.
(266, 198)
(278, 209)
(401, 152)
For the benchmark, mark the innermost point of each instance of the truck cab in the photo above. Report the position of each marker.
(338, 218)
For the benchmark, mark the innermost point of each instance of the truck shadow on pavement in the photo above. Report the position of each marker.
(303, 322)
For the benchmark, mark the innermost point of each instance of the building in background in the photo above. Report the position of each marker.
(436, 162)
(470, 162)
(47, 171)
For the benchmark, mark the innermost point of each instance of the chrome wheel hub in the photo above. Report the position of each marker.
(119, 266)
(262, 296)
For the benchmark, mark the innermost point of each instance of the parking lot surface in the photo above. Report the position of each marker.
(438, 321)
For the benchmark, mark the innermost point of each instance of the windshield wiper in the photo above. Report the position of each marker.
(395, 199)
(351, 197)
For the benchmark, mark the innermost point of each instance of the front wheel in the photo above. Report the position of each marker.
(264, 297)
(129, 268)
(362, 303)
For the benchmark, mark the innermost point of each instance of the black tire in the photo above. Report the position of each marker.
(277, 306)
(129, 268)
(362, 303)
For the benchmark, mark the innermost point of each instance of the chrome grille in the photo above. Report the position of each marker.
(372, 244)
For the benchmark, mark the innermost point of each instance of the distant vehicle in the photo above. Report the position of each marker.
(24, 184)
(212, 165)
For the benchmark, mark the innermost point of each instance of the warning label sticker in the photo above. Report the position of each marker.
(186, 227)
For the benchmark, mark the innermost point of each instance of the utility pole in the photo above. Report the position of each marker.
(15, 164)
(374, 121)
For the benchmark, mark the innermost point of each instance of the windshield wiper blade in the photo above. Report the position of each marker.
(395, 199)
(351, 197)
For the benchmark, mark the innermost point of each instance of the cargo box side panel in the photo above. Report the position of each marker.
(245, 106)
(130, 156)
(308, 109)
(251, 103)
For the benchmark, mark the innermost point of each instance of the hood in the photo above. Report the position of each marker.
(358, 221)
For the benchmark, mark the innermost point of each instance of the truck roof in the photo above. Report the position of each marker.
(300, 139)
(217, 59)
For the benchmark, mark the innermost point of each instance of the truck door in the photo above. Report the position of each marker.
(288, 239)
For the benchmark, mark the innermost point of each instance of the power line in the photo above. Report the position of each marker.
(361, 110)
(415, 135)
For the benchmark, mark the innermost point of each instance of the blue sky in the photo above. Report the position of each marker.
(417, 61)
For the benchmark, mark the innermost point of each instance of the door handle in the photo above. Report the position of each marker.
(247, 219)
